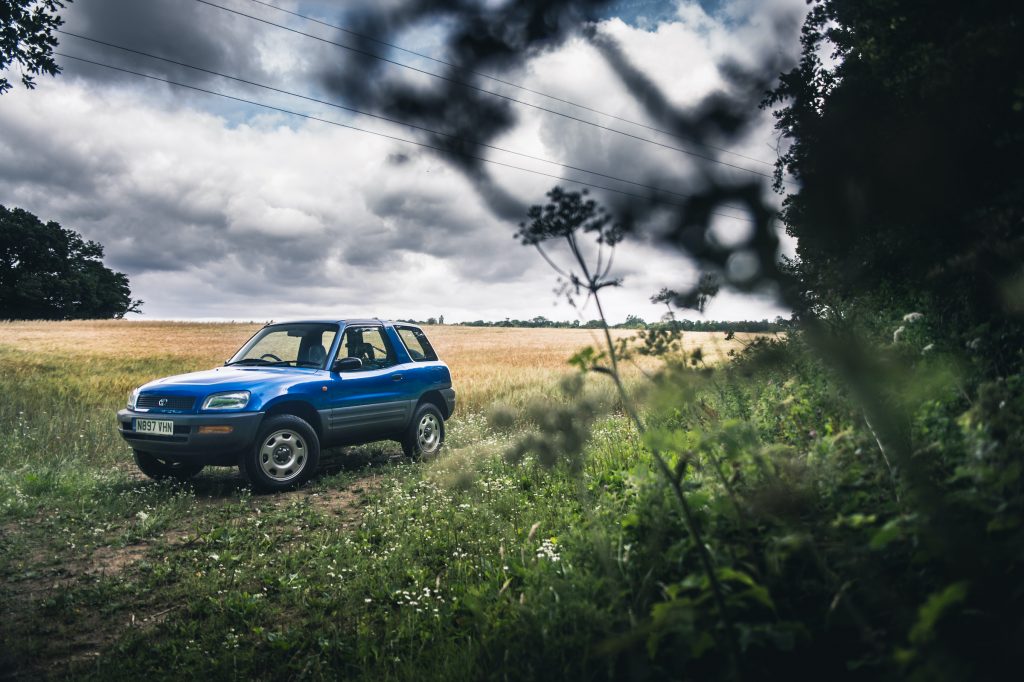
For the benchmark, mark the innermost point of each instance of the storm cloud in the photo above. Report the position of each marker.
(485, 39)
(220, 210)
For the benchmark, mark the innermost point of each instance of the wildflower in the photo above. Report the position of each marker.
(898, 333)
(548, 550)
(912, 317)
(142, 516)
(928, 349)
(533, 531)
(974, 344)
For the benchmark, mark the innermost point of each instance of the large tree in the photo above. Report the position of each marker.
(907, 127)
(48, 272)
(27, 38)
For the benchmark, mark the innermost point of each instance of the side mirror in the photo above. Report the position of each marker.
(347, 365)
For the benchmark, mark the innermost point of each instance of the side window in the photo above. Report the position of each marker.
(416, 343)
(369, 345)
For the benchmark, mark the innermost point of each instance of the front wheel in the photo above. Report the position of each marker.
(286, 453)
(161, 469)
(425, 434)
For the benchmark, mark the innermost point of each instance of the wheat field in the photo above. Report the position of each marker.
(509, 365)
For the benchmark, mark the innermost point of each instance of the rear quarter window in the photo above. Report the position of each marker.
(416, 343)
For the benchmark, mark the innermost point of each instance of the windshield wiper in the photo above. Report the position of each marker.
(250, 361)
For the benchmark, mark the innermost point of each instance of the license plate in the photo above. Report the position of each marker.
(157, 427)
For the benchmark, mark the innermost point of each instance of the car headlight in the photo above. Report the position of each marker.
(234, 400)
(133, 395)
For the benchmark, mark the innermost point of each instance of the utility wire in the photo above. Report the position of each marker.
(501, 80)
(483, 90)
(379, 134)
(377, 116)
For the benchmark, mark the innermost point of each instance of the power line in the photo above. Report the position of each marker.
(377, 116)
(379, 134)
(470, 86)
(501, 80)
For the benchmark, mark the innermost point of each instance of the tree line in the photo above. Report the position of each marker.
(779, 324)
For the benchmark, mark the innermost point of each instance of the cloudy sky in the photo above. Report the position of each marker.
(222, 209)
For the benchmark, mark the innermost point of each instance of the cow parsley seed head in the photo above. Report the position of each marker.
(912, 317)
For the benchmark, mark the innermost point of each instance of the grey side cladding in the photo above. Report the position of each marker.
(378, 417)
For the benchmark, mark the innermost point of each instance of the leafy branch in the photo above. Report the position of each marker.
(27, 38)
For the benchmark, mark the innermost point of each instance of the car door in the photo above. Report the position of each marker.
(370, 402)
(423, 371)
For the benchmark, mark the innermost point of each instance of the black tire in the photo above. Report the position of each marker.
(425, 435)
(286, 454)
(161, 469)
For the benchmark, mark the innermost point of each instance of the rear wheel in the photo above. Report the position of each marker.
(286, 454)
(160, 469)
(425, 434)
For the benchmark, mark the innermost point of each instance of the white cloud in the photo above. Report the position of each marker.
(226, 212)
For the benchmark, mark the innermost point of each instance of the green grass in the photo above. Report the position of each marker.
(115, 576)
(562, 565)
(441, 562)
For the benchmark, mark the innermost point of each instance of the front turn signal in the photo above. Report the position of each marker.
(216, 429)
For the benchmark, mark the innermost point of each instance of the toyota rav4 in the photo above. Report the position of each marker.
(291, 390)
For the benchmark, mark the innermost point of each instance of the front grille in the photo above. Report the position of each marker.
(171, 402)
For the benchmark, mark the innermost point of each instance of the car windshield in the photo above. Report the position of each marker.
(296, 345)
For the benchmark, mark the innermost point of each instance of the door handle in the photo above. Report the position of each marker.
(397, 377)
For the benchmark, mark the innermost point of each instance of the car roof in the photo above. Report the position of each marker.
(355, 320)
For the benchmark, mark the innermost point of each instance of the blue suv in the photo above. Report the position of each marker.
(292, 389)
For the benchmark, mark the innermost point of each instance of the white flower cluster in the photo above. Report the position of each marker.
(426, 599)
(548, 550)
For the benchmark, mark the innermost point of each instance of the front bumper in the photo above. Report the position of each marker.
(187, 444)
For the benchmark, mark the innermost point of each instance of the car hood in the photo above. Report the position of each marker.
(230, 379)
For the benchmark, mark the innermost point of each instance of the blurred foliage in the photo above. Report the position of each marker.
(858, 484)
(832, 563)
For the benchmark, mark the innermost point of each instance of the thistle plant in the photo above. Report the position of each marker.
(568, 218)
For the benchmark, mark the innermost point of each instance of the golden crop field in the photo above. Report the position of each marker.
(488, 364)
